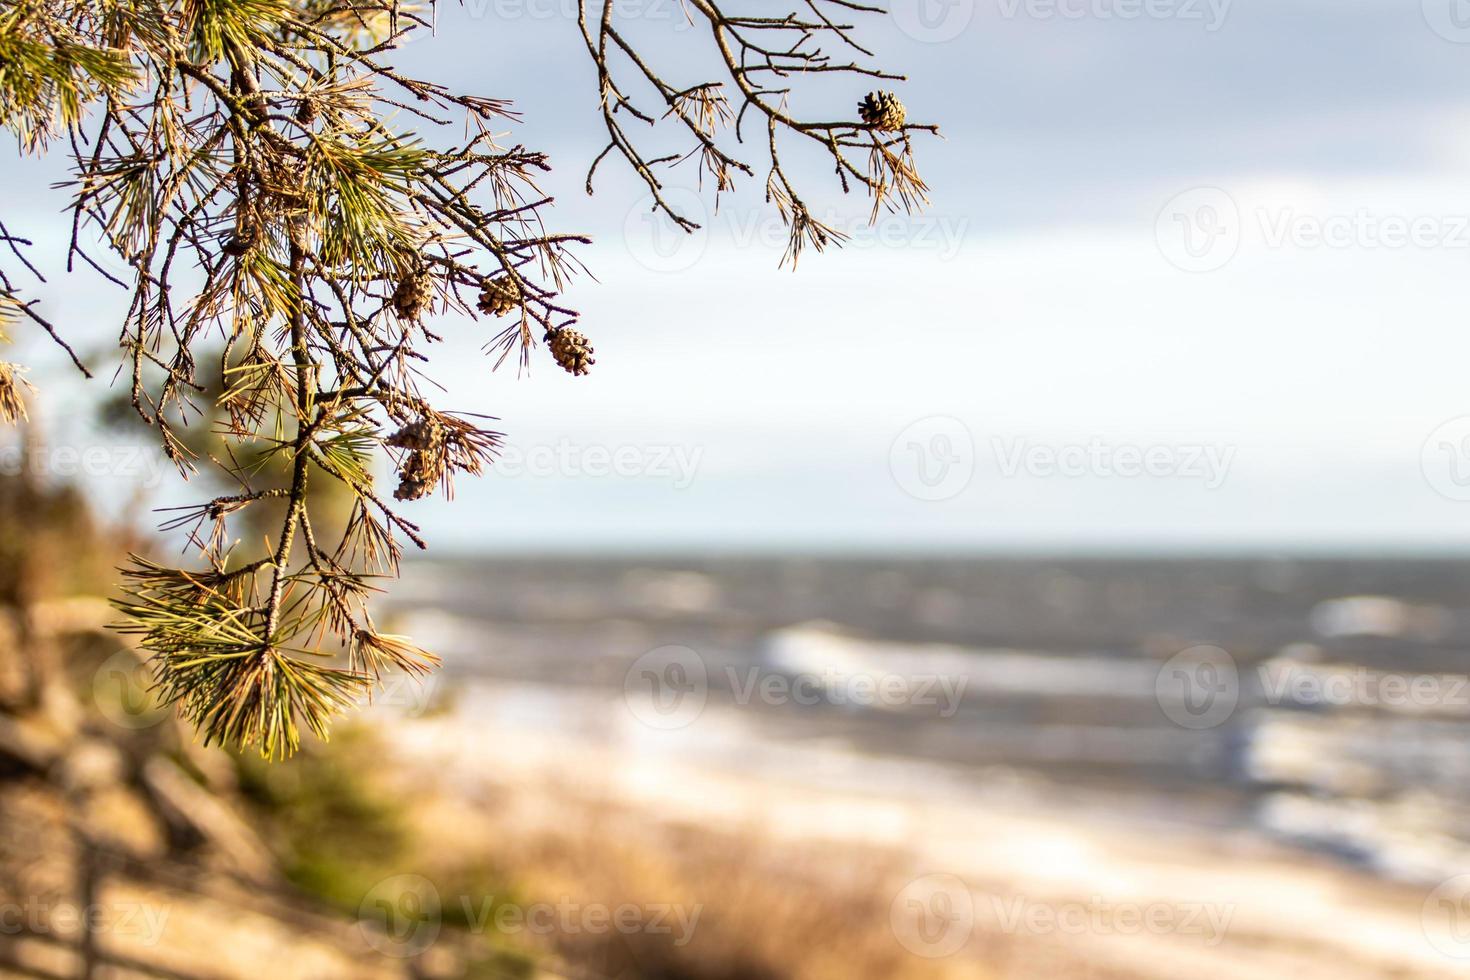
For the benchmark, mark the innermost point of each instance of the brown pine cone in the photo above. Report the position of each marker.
(500, 296)
(420, 434)
(245, 238)
(883, 111)
(413, 294)
(424, 467)
(418, 477)
(571, 350)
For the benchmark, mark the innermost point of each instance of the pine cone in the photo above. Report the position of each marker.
(500, 296)
(424, 467)
(421, 434)
(306, 112)
(883, 111)
(245, 238)
(415, 482)
(571, 350)
(413, 294)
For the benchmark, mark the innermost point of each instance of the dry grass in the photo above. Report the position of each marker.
(766, 911)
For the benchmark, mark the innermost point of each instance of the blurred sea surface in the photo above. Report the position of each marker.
(1320, 703)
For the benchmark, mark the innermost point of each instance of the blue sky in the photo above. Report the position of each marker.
(1191, 279)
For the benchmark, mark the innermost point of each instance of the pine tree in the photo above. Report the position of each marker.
(246, 160)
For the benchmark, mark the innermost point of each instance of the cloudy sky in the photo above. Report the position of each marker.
(1193, 278)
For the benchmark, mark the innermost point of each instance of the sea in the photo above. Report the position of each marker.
(1321, 703)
